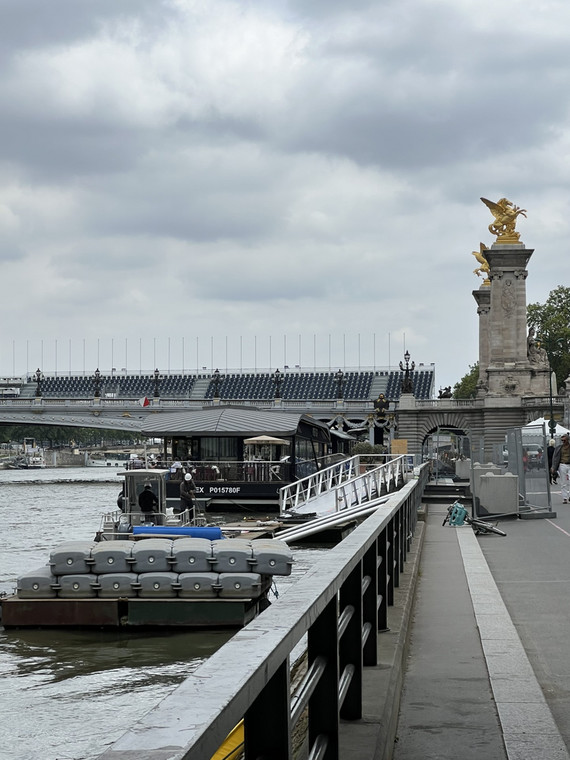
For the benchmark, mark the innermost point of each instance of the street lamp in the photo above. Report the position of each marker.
(339, 377)
(156, 392)
(548, 343)
(216, 379)
(38, 377)
(407, 385)
(277, 381)
(97, 384)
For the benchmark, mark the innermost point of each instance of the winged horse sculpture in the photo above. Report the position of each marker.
(505, 214)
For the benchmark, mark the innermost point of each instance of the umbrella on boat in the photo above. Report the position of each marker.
(265, 439)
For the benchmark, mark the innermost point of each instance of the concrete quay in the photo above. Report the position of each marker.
(475, 662)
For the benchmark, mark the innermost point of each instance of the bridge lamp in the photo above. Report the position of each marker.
(339, 377)
(156, 392)
(97, 384)
(38, 377)
(277, 380)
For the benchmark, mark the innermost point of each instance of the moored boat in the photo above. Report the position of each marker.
(149, 570)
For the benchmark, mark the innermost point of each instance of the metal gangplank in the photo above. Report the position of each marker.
(340, 486)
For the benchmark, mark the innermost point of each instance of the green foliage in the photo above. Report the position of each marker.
(50, 436)
(551, 322)
(467, 386)
(364, 447)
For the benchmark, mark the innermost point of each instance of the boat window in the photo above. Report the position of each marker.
(218, 448)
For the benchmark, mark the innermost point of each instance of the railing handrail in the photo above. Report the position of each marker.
(333, 477)
(251, 672)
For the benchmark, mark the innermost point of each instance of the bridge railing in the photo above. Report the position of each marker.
(341, 605)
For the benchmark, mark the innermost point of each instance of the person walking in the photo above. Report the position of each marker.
(187, 495)
(561, 465)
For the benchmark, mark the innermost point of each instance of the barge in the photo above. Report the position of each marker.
(149, 570)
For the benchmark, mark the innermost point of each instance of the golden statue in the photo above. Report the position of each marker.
(505, 214)
(483, 270)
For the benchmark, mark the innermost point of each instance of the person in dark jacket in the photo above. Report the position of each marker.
(187, 495)
(148, 502)
(561, 465)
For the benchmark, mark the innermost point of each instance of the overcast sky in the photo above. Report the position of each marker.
(240, 184)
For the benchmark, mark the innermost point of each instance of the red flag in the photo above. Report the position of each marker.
(144, 401)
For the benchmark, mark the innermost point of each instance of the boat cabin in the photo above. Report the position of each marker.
(135, 482)
(238, 456)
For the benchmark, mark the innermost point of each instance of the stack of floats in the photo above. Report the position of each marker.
(190, 582)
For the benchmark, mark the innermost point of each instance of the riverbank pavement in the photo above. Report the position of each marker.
(453, 679)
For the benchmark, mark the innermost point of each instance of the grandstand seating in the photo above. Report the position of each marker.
(310, 386)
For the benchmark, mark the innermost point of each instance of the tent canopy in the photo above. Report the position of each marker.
(560, 429)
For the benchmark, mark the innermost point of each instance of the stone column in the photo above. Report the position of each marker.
(483, 298)
(507, 325)
(509, 371)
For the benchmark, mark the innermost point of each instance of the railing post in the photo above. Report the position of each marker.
(370, 605)
(350, 645)
(383, 579)
(322, 639)
(390, 564)
(267, 731)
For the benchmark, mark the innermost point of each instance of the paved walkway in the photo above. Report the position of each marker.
(469, 689)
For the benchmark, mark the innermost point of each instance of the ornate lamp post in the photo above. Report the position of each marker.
(216, 379)
(548, 344)
(156, 392)
(339, 377)
(277, 381)
(97, 384)
(38, 377)
(407, 385)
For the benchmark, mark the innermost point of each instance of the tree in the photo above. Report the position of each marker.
(551, 322)
(467, 386)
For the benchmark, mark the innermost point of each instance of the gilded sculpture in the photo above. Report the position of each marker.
(483, 270)
(505, 214)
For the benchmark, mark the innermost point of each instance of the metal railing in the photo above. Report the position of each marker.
(340, 604)
(350, 484)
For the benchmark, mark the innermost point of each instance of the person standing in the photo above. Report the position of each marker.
(550, 453)
(561, 465)
(148, 502)
(187, 495)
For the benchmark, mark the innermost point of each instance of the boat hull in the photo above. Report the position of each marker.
(129, 613)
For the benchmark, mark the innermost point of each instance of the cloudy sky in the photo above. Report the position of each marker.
(254, 183)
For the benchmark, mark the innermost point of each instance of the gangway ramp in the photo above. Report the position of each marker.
(341, 486)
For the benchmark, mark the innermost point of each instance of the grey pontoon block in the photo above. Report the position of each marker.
(112, 585)
(234, 555)
(111, 557)
(152, 555)
(71, 558)
(37, 584)
(192, 555)
(157, 585)
(198, 585)
(272, 557)
(77, 586)
(239, 585)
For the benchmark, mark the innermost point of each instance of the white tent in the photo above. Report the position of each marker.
(536, 424)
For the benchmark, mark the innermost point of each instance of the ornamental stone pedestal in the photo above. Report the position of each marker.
(505, 367)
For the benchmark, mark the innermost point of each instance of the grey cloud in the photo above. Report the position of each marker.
(33, 23)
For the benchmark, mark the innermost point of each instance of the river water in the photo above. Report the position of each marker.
(67, 695)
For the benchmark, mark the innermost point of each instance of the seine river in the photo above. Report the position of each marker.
(66, 695)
